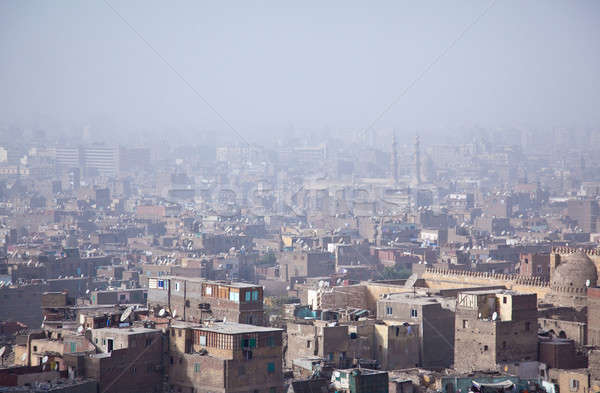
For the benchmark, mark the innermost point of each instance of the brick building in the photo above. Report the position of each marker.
(306, 264)
(131, 360)
(225, 357)
(535, 265)
(494, 327)
(593, 316)
(195, 299)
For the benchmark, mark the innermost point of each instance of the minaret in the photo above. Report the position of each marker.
(394, 158)
(417, 161)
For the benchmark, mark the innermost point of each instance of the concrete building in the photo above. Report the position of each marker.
(494, 327)
(360, 381)
(434, 316)
(131, 360)
(306, 264)
(225, 357)
(585, 213)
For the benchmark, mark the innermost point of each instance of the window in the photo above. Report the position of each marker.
(414, 313)
(527, 326)
(202, 340)
(388, 310)
(161, 283)
(330, 356)
(307, 343)
(177, 286)
(504, 300)
(234, 296)
(179, 333)
(485, 348)
(148, 342)
(172, 332)
(208, 291)
(271, 341)
(574, 385)
(270, 367)
(248, 296)
(503, 344)
(35, 348)
(255, 295)
(465, 324)
(196, 367)
(249, 343)
(73, 347)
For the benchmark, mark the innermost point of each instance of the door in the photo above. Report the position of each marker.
(110, 345)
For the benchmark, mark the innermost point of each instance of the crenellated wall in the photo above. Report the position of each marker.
(439, 278)
(592, 253)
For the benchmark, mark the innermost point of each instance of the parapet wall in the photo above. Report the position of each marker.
(439, 278)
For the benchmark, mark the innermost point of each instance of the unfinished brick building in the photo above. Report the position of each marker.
(494, 327)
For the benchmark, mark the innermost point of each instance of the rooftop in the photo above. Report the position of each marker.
(235, 328)
(224, 283)
(128, 330)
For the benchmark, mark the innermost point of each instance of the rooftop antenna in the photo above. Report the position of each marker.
(494, 316)
(162, 312)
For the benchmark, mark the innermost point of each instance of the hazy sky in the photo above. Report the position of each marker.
(269, 65)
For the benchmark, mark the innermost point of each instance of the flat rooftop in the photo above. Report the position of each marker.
(128, 330)
(235, 328)
(224, 283)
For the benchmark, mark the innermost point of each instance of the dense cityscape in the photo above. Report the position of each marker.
(376, 259)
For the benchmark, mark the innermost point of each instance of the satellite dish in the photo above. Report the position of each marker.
(174, 313)
(45, 359)
(24, 357)
(80, 329)
(126, 314)
(588, 283)
(2, 350)
(494, 316)
(87, 291)
(162, 312)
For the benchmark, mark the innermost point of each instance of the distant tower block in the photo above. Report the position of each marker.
(394, 158)
(417, 174)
